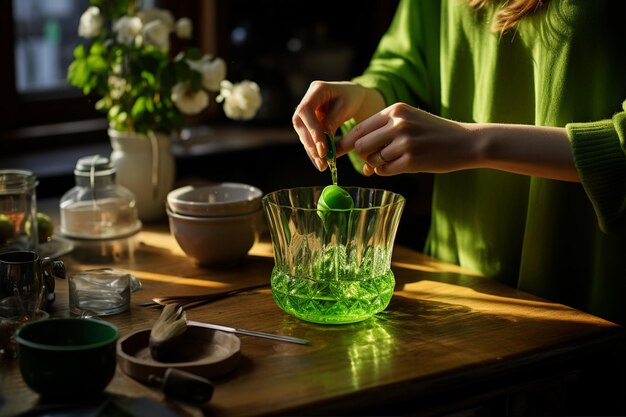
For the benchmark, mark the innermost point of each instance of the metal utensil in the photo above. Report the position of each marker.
(193, 300)
(248, 332)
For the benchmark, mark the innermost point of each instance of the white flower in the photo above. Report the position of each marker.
(91, 23)
(213, 71)
(116, 68)
(242, 100)
(184, 28)
(156, 34)
(189, 101)
(117, 86)
(136, 46)
(151, 14)
(127, 28)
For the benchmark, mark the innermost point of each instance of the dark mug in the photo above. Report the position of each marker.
(29, 279)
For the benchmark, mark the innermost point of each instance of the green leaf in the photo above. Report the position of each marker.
(112, 9)
(150, 105)
(139, 107)
(121, 117)
(79, 52)
(102, 104)
(97, 48)
(148, 77)
(194, 54)
(79, 73)
(182, 71)
(195, 80)
(97, 63)
(167, 78)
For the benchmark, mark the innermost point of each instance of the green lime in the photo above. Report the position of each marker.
(45, 227)
(7, 229)
(335, 198)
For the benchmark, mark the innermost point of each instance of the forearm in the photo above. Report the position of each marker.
(522, 149)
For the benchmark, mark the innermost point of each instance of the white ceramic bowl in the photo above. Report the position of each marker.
(216, 240)
(215, 200)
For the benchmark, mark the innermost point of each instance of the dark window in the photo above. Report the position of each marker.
(40, 37)
(280, 46)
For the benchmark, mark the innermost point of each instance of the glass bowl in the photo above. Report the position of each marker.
(332, 266)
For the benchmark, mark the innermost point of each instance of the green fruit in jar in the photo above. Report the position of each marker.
(45, 227)
(7, 229)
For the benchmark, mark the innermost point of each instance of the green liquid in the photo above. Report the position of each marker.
(331, 157)
(332, 301)
(333, 170)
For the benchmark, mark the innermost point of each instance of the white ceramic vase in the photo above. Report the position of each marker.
(145, 166)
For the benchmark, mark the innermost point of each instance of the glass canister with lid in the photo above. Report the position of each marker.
(18, 210)
(97, 207)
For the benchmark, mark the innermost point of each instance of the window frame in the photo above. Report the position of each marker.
(23, 110)
(65, 117)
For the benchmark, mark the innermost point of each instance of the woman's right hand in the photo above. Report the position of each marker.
(326, 106)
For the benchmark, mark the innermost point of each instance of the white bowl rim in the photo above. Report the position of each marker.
(174, 194)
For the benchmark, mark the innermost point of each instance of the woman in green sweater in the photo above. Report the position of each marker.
(519, 110)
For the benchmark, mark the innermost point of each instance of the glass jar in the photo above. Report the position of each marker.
(97, 207)
(334, 265)
(18, 210)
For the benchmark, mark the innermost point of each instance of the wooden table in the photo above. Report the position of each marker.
(449, 342)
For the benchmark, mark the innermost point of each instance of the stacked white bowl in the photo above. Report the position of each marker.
(215, 224)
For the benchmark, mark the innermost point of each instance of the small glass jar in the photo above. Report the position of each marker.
(18, 210)
(97, 207)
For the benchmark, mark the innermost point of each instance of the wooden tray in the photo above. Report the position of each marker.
(208, 353)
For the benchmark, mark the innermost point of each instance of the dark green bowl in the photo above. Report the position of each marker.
(67, 359)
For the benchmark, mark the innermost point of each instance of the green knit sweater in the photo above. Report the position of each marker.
(564, 66)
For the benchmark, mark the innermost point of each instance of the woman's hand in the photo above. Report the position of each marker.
(403, 139)
(327, 105)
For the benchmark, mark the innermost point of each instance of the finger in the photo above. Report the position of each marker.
(381, 157)
(376, 159)
(386, 154)
(361, 130)
(307, 142)
(400, 165)
(368, 170)
(311, 122)
(303, 135)
(385, 170)
(321, 166)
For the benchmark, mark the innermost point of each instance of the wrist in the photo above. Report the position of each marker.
(481, 143)
(371, 103)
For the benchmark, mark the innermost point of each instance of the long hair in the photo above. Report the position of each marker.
(511, 12)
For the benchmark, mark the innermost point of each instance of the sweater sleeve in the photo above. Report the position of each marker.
(405, 65)
(599, 150)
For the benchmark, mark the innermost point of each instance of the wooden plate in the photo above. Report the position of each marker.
(208, 353)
